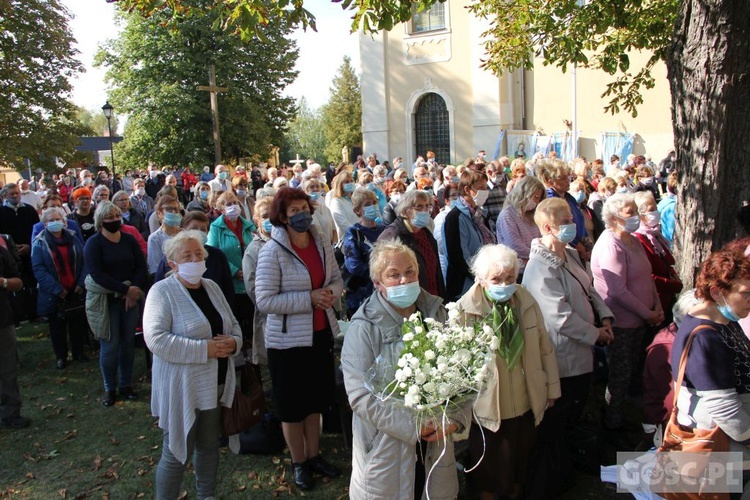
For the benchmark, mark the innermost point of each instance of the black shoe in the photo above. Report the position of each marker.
(109, 398)
(302, 476)
(82, 358)
(61, 363)
(319, 465)
(128, 393)
(17, 422)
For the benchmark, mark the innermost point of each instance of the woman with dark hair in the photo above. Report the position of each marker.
(716, 387)
(296, 285)
(465, 231)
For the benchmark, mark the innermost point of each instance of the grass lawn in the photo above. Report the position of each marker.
(76, 448)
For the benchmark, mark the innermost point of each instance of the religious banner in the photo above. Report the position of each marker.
(521, 143)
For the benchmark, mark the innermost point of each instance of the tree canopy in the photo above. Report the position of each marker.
(154, 68)
(342, 115)
(305, 136)
(37, 61)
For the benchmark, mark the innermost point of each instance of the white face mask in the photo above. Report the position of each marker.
(191, 271)
(140, 191)
(481, 197)
(232, 211)
(530, 205)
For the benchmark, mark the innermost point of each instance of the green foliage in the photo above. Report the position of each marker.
(37, 61)
(154, 68)
(597, 34)
(342, 115)
(305, 136)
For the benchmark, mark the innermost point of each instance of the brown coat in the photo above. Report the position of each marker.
(538, 359)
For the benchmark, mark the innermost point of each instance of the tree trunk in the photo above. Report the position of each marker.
(708, 73)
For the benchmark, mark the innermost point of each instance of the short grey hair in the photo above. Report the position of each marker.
(380, 253)
(98, 189)
(685, 302)
(491, 256)
(173, 245)
(613, 206)
(104, 210)
(306, 183)
(409, 199)
(120, 194)
(265, 193)
(379, 170)
(49, 212)
(643, 197)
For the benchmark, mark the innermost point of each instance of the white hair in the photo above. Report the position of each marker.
(409, 199)
(643, 197)
(49, 212)
(491, 257)
(685, 302)
(613, 206)
(174, 244)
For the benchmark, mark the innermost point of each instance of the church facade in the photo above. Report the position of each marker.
(423, 88)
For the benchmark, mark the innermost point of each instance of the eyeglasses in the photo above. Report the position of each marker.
(423, 208)
(171, 210)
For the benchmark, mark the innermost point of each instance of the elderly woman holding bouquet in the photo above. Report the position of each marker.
(391, 456)
(525, 379)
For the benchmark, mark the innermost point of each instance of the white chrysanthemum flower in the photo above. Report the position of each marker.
(414, 362)
(429, 355)
(418, 330)
(494, 343)
(442, 367)
(402, 362)
(453, 314)
(420, 377)
(414, 317)
(406, 372)
(408, 336)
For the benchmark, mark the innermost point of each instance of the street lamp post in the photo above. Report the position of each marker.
(107, 110)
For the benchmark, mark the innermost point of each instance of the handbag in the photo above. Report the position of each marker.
(680, 438)
(247, 409)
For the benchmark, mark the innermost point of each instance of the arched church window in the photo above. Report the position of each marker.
(432, 130)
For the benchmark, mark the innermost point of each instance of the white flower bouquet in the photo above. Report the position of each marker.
(438, 367)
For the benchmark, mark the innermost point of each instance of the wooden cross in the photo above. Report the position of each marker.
(214, 91)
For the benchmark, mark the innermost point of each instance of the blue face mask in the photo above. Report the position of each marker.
(727, 312)
(372, 212)
(301, 221)
(172, 220)
(204, 195)
(402, 296)
(421, 219)
(349, 187)
(267, 226)
(315, 195)
(455, 179)
(241, 192)
(632, 223)
(579, 196)
(567, 233)
(501, 293)
(55, 226)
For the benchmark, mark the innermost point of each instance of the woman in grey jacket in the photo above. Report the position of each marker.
(189, 326)
(576, 318)
(385, 460)
(296, 284)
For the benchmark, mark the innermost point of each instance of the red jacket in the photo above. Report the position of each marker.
(668, 285)
(188, 180)
(658, 391)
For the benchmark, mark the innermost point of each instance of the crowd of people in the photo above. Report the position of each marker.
(208, 265)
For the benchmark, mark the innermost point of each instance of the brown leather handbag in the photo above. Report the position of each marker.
(680, 438)
(247, 409)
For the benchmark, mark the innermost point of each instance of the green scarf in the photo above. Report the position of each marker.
(504, 323)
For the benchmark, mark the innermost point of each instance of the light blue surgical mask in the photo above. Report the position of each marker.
(172, 220)
(349, 187)
(241, 192)
(727, 312)
(421, 219)
(567, 233)
(372, 212)
(501, 293)
(579, 196)
(55, 226)
(632, 223)
(403, 296)
(204, 195)
(315, 195)
(267, 226)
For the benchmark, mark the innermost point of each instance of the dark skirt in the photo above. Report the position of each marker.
(503, 469)
(303, 378)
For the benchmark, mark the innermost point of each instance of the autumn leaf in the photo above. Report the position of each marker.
(63, 493)
(97, 462)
